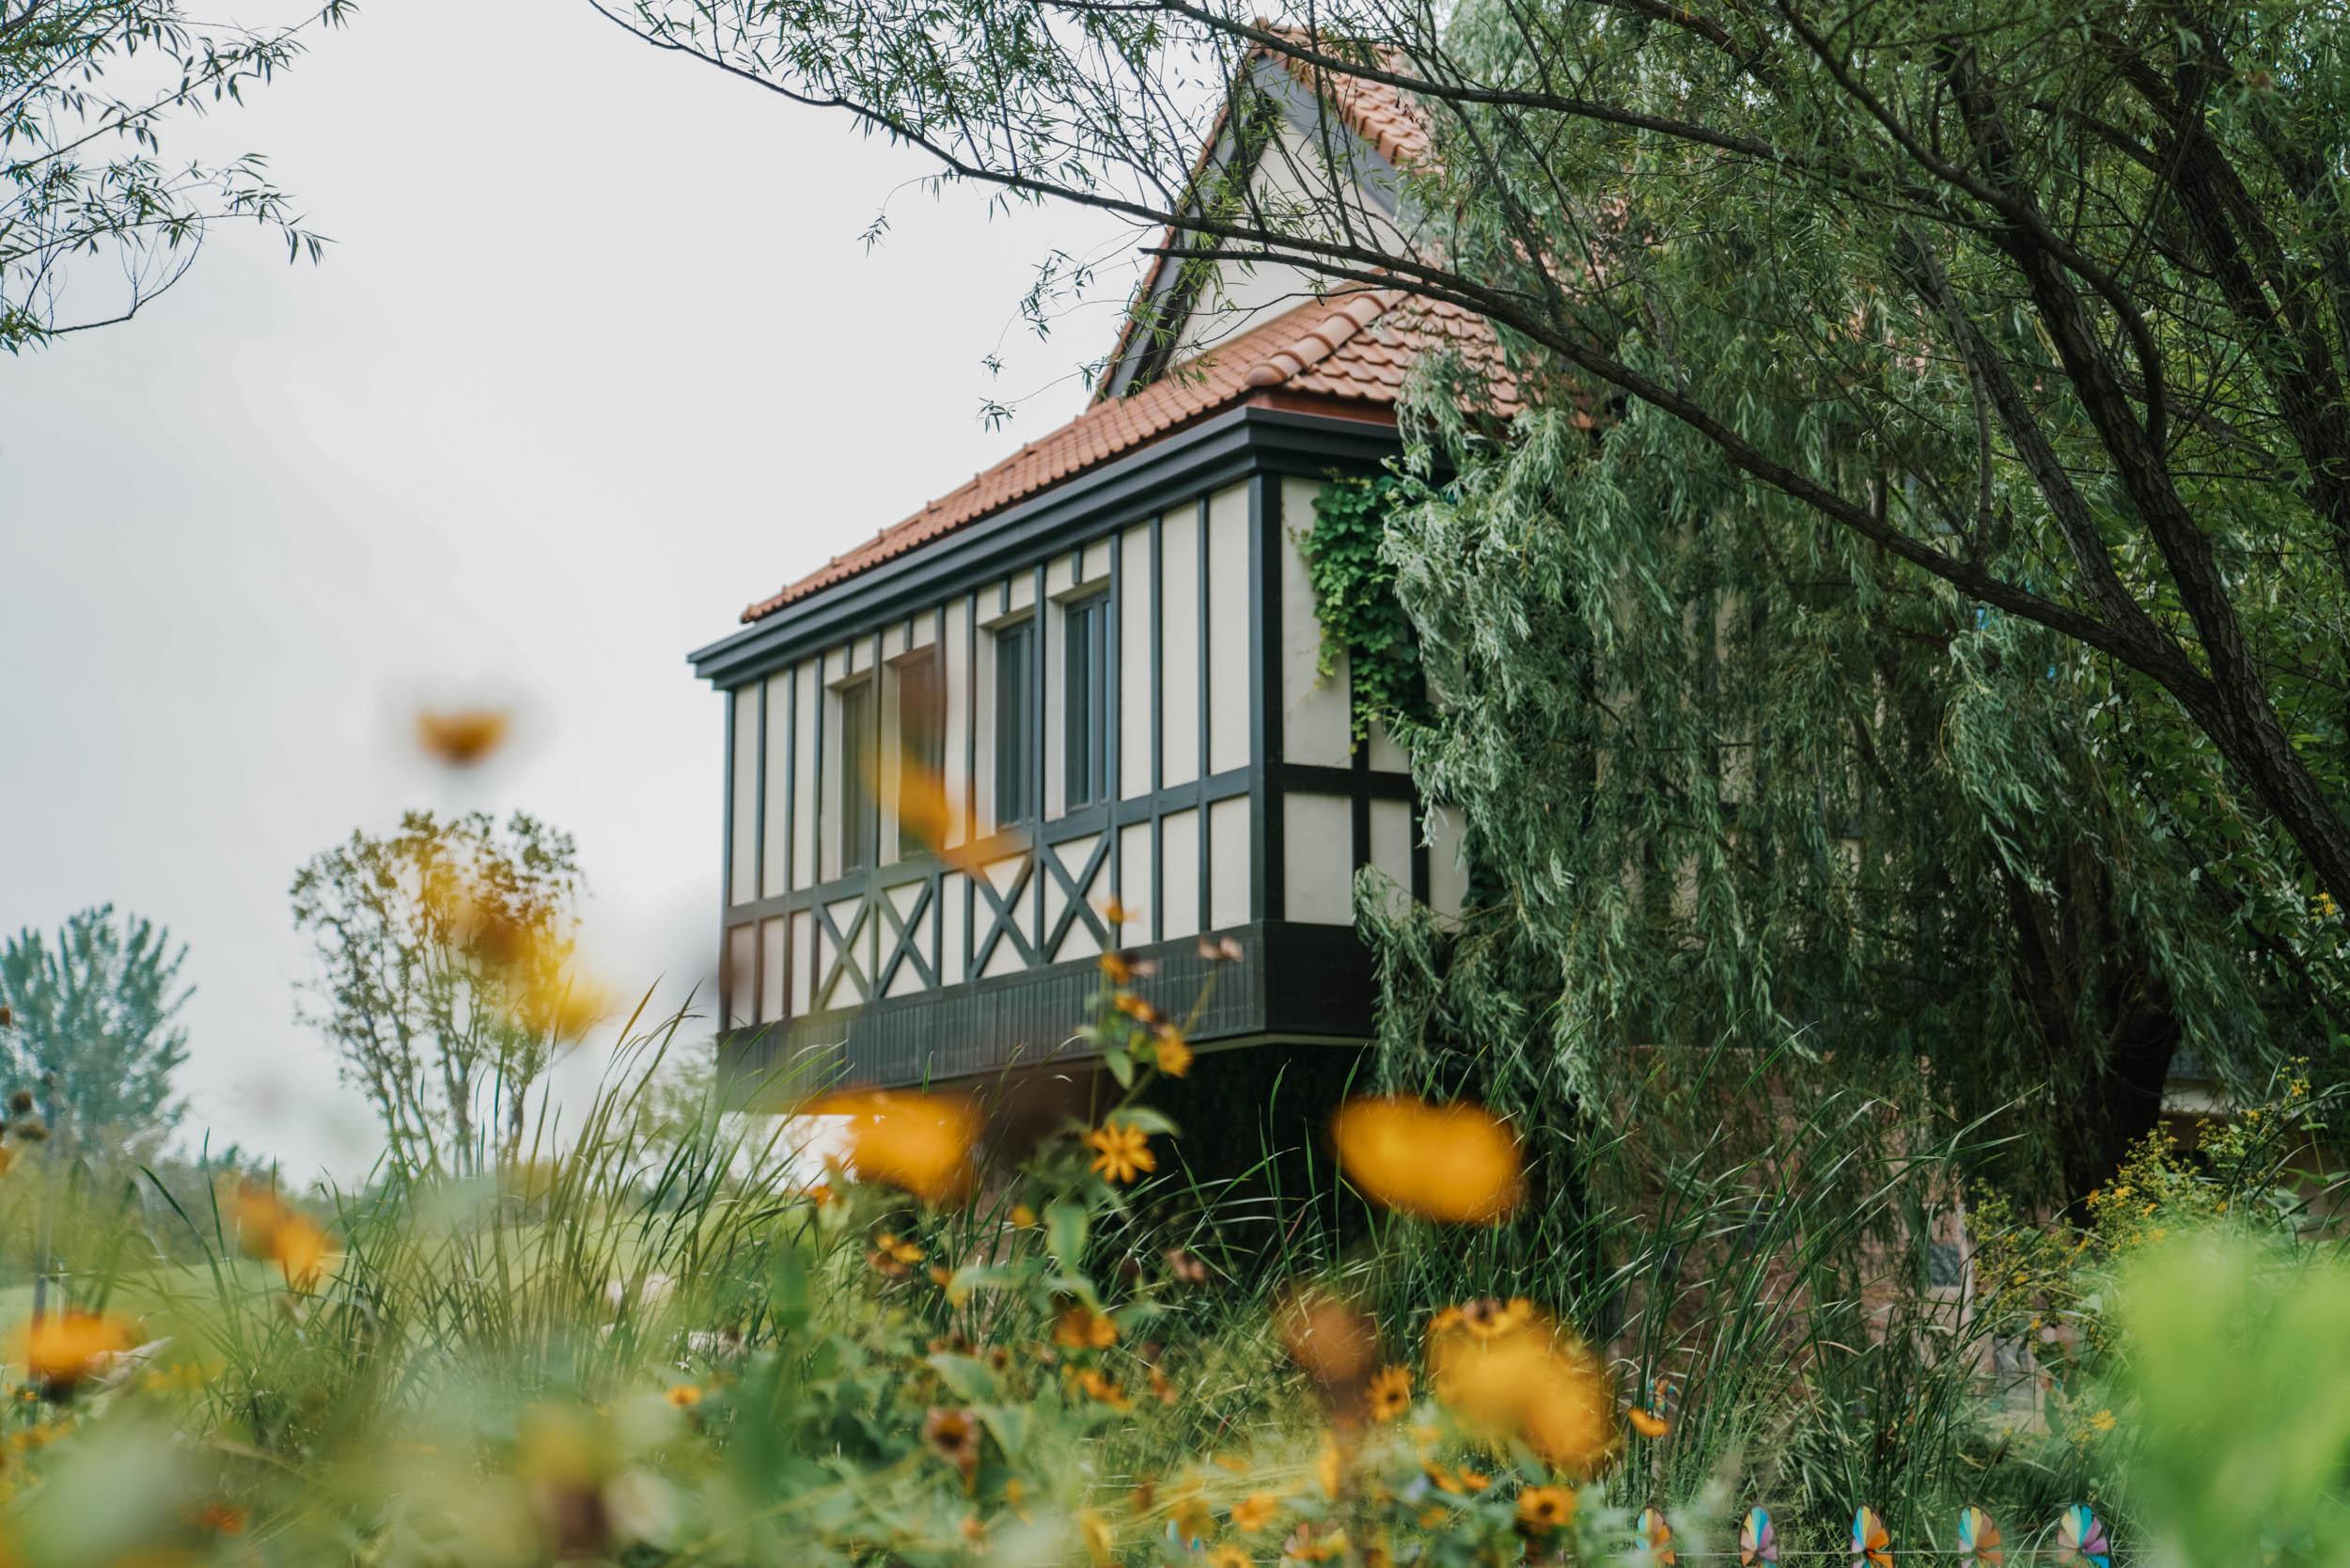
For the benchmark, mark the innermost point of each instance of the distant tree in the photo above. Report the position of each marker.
(444, 977)
(94, 1029)
(86, 86)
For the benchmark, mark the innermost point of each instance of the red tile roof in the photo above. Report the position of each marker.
(1349, 353)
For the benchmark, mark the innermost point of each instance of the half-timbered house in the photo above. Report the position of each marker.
(1089, 674)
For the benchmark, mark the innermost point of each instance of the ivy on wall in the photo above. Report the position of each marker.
(1354, 599)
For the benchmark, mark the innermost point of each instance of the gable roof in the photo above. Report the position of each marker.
(1348, 353)
(1388, 122)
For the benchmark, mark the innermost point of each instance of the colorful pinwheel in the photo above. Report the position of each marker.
(1658, 1536)
(1979, 1540)
(1758, 1540)
(1871, 1547)
(2081, 1538)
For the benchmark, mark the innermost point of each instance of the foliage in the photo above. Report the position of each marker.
(699, 1342)
(444, 977)
(1354, 582)
(2062, 283)
(96, 1037)
(87, 89)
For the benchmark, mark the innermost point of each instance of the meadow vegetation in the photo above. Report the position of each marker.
(675, 1334)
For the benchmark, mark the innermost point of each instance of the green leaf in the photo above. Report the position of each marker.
(787, 1290)
(972, 1380)
(1145, 1119)
(1065, 1226)
(1010, 1423)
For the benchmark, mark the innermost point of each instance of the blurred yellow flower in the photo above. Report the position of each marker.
(954, 1436)
(893, 1256)
(684, 1396)
(1390, 1393)
(1098, 1539)
(300, 1249)
(461, 737)
(1331, 1338)
(1173, 1052)
(1103, 1388)
(1254, 1511)
(268, 1226)
(1229, 1556)
(920, 1142)
(1534, 1381)
(1080, 1327)
(1647, 1423)
(1122, 1150)
(1542, 1510)
(1456, 1163)
(64, 1349)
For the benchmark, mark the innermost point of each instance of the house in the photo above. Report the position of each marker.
(1090, 674)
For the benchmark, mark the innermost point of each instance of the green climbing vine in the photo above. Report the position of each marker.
(1362, 620)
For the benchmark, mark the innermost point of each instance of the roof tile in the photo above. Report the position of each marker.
(1355, 347)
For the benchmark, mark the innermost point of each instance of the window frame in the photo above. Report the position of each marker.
(919, 687)
(860, 780)
(1015, 763)
(1084, 724)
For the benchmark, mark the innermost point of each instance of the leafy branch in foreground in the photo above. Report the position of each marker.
(2074, 277)
(87, 88)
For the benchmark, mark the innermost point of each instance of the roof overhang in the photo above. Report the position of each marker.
(1215, 451)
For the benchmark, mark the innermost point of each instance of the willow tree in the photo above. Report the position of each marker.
(1999, 347)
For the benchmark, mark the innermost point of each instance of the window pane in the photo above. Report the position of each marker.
(857, 775)
(1086, 688)
(1014, 728)
(921, 754)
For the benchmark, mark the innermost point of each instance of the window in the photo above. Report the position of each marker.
(1085, 691)
(1015, 724)
(858, 823)
(922, 740)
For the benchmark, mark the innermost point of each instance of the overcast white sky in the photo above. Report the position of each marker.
(598, 358)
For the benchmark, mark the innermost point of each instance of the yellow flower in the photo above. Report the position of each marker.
(1254, 1511)
(2102, 1421)
(1229, 1556)
(1080, 1327)
(1174, 1052)
(1309, 1548)
(1647, 1422)
(891, 1256)
(1330, 1467)
(1533, 1380)
(66, 1348)
(463, 737)
(266, 1226)
(1022, 1217)
(1187, 1510)
(1329, 1338)
(1545, 1509)
(685, 1396)
(954, 1436)
(1390, 1393)
(1122, 1150)
(1456, 1163)
(300, 1249)
(1103, 1389)
(920, 1142)
(1098, 1539)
